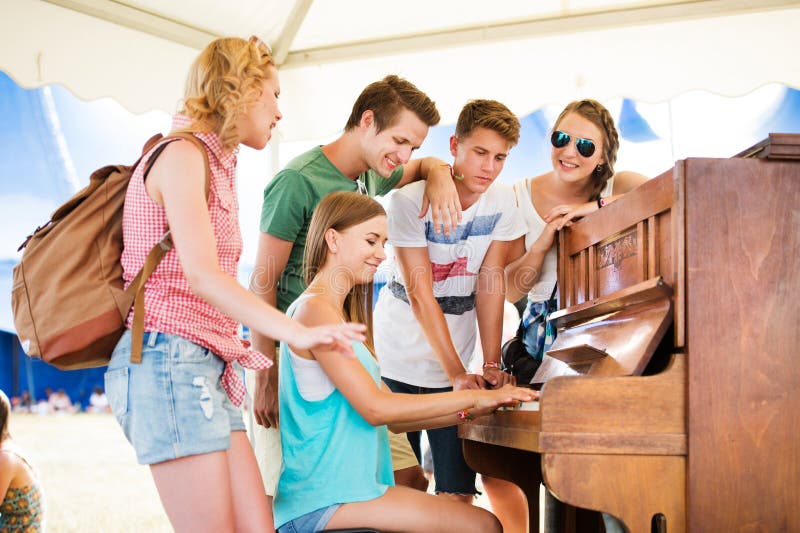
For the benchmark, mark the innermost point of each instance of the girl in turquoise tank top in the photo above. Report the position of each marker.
(335, 410)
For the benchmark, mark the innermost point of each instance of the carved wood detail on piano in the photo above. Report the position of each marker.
(618, 246)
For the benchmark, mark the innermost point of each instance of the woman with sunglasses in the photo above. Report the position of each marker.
(337, 470)
(585, 143)
(180, 406)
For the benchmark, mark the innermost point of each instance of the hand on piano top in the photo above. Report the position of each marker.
(488, 400)
(564, 214)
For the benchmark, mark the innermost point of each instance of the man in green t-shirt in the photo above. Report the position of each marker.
(389, 120)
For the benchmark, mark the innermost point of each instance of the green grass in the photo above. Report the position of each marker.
(91, 480)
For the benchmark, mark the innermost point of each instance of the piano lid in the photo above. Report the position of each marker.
(614, 335)
(776, 146)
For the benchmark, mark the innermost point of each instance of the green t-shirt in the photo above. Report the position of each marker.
(290, 199)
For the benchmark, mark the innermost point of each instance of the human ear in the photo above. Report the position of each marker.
(453, 145)
(367, 119)
(331, 239)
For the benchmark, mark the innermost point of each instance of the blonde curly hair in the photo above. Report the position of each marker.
(223, 83)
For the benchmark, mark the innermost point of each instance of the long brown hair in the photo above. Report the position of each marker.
(339, 211)
(594, 112)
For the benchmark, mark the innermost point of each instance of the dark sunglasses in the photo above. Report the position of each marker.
(585, 147)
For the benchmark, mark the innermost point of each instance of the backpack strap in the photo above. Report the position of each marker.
(158, 251)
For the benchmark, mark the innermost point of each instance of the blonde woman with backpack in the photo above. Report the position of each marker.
(179, 406)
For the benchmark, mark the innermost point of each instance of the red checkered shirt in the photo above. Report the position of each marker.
(170, 305)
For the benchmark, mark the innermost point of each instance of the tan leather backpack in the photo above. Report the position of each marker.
(68, 299)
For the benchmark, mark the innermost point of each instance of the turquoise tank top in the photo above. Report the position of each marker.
(330, 453)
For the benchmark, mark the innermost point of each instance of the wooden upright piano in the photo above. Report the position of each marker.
(672, 393)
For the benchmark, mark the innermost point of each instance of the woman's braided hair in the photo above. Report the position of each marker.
(597, 114)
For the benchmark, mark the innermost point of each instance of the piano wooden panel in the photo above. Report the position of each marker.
(743, 338)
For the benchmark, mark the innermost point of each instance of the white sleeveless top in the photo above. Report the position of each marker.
(543, 287)
(313, 383)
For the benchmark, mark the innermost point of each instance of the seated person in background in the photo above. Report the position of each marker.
(98, 403)
(60, 402)
(43, 406)
(425, 318)
(21, 507)
(337, 469)
(24, 403)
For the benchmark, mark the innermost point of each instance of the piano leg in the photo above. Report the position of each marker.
(633, 488)
(520, 467)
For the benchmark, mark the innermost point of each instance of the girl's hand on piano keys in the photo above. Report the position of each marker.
(488, 400)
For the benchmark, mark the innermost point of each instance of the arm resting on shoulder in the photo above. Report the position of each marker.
(440, 191)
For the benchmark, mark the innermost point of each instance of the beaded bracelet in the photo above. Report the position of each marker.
(465, 415)
(492, 364)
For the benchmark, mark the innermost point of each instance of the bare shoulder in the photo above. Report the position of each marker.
(541, 184)
(316, 311)
(8, 460)
(540, 180)
(181, 152)
(626, 181)
(179, 157)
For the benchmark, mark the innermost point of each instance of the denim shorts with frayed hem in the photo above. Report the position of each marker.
(310, 522)
(172, 404)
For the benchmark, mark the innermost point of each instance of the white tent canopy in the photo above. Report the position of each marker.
(525, 53)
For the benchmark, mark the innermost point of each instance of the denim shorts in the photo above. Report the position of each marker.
(172, 404)
(310, 522)
(451, 473)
